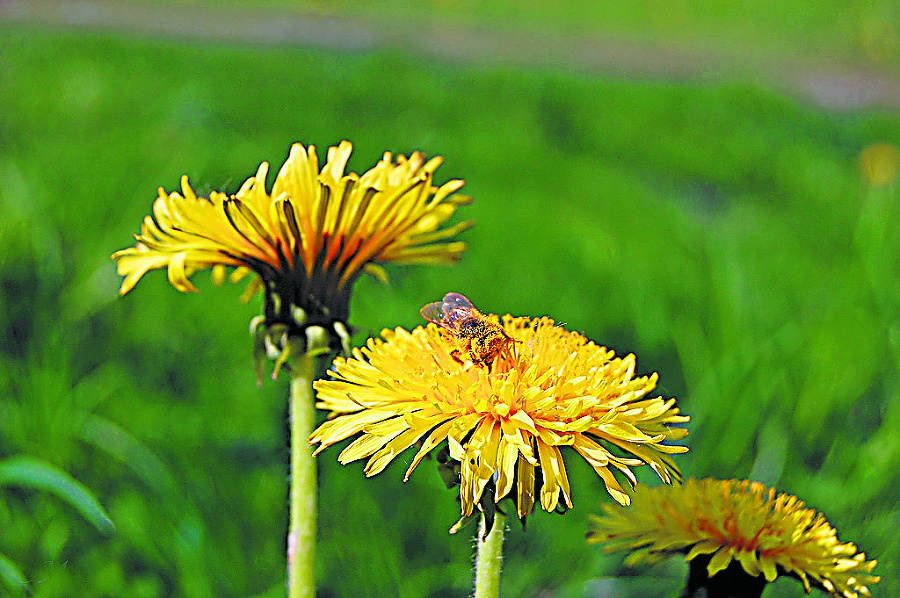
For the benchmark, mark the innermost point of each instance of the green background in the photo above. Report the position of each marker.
(715, 224)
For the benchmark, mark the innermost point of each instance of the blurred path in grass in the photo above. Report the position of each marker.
(829, 82)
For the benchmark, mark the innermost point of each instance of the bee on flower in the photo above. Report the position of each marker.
(478, 338)
(504, 425)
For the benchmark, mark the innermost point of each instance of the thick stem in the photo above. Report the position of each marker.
(302, 535)
(490, 558)
(731, 582)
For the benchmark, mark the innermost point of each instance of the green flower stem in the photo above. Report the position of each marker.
(302, 535)
(731, 582)
(490, 558)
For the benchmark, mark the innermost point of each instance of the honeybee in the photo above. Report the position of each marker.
(476, 336)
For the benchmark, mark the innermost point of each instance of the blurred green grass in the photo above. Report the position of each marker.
(720, 232)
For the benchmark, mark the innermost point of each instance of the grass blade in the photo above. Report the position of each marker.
(34, 473)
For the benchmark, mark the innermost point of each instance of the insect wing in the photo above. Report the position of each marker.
(433, 312)
(456, 301)
(457, 308)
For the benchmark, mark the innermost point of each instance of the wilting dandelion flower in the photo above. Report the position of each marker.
(718, 524)
(309, 239)
(505, 422)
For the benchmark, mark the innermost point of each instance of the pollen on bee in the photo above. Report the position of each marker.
(477, 337)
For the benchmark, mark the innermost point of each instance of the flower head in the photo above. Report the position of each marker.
(879, 164)
(735, 521)
(309, 239)
(505, 422)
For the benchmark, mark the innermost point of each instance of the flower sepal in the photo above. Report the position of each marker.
(487, 507)
(276, 342)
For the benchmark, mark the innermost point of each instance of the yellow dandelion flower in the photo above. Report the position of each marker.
(879, 164)
(310, 238)
(720, 523)
(505, 422)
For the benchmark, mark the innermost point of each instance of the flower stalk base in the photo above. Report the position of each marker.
(731, 582)
(490, 557)
(302, 534)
